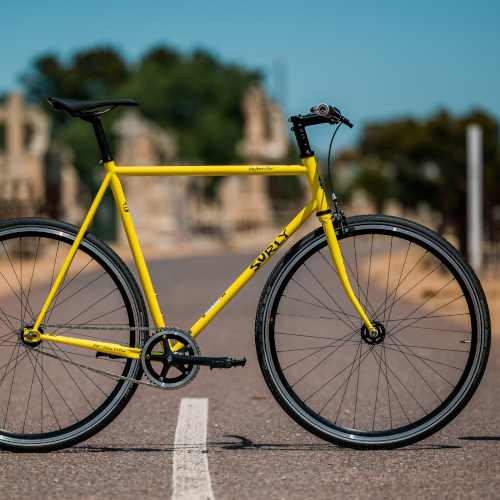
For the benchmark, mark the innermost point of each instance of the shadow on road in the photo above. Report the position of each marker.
(243, 443)
(246, 443)
(481, 438)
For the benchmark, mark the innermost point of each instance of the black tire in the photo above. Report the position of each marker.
(46, 404)
(336, 381)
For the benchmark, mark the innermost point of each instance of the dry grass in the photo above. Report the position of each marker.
(490, 282)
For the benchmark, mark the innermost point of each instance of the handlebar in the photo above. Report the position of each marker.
(322, 113)
(331, 113)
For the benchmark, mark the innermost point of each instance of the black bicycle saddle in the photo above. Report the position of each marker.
(75, 107)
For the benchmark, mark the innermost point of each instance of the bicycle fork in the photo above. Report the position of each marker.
(323, 212)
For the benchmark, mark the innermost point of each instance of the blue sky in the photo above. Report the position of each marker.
(374, 60)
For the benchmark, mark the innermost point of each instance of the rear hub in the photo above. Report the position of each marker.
(25, 333)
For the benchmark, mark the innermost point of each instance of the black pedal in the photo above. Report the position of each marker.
(227, 362)
(212, 362)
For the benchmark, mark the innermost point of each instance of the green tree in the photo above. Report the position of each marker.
(89, 74)
(196, 95)
(414, 160)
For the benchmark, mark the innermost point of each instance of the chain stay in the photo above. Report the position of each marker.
(104, 327)
(97, 370)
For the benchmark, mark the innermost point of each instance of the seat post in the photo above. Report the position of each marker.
(100, 136)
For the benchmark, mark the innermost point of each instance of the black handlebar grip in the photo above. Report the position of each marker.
(345, 121)
(330, 112)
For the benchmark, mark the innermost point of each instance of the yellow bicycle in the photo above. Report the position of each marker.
(379, 364)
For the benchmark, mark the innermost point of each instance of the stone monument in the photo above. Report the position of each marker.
(36, 176)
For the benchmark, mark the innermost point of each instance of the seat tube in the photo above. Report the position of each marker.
(135, 247)
(324, 214)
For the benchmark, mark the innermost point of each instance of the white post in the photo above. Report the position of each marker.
(475, 195)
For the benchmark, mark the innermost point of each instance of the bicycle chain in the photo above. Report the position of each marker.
(97, 370)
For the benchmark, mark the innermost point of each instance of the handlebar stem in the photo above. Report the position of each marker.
(299, 124)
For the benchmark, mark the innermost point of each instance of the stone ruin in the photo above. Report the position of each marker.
(37, 177)
(159, 205)
(173, 210)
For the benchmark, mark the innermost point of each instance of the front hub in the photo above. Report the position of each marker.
(375, 336)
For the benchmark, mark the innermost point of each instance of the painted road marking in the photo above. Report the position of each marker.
(191, 479)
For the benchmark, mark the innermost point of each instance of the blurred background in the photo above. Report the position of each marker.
(216, 82)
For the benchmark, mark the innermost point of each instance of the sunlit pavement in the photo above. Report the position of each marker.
(253, 449)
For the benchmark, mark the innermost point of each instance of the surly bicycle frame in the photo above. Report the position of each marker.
(317, 204)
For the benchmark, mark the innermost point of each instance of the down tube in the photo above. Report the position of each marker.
(252, 270)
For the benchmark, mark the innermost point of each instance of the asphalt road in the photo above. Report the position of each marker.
(254, 449)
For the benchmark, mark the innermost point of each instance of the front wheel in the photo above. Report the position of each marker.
(409, 381)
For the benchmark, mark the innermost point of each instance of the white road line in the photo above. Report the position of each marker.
(191, 479)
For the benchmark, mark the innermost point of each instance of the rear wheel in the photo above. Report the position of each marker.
(387, 391)
(47, 404)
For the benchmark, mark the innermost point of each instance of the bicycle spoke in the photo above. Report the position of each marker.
(389, 386)
(307, 336)
(430, 360)
(78, 291)
(423, 317)
(320, 349)
(360, 290)
(347, 324)
(41, 385)
(414, 286)
(322, 307)
(332, 379)
(403, 385)
(395, 291)
(17, 278)
(327, 292)
(72, 378)
(32, 274)
(56, 389)
(29, 397)
(10, 392)
(388, 274)
(376, 395)
(394, 301)
(369, 273)
(357, 387)
(316, 317)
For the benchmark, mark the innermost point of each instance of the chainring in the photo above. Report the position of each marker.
(157, 364)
